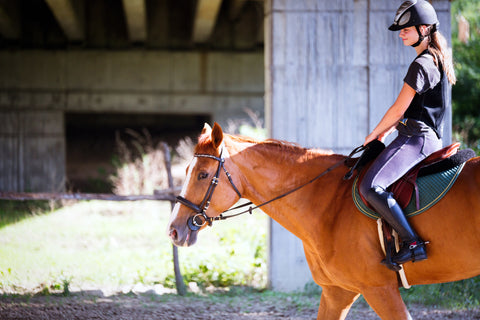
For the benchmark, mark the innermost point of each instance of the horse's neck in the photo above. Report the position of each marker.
(270, 171)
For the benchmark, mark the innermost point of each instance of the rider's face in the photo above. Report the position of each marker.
(409, 35)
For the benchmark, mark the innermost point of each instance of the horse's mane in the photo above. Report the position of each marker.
(282, 144)
(288, 150)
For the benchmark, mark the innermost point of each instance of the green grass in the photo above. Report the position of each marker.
(15, 211)
(453, 295)
(116, 244)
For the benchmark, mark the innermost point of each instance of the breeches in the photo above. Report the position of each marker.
(397, 159)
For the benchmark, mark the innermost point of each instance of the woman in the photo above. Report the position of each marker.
(417, 114)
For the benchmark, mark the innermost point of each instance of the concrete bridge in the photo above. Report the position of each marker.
(72, 72)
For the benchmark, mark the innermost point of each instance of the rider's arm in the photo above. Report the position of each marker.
(393, 115)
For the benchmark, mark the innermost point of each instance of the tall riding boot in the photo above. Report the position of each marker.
(413, 248)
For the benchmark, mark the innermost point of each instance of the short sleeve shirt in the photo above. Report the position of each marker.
(431, 97)
(423, 74)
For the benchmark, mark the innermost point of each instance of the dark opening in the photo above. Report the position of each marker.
(91, 145)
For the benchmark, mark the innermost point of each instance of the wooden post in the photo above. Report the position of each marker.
(181, 289)
(24, 196)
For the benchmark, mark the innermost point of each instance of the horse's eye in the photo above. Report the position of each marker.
(202, 175)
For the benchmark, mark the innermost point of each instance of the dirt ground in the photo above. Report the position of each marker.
(88, 305)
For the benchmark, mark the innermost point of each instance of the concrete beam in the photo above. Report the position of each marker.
(9, 25)
(205, 19)
(68, 18)
(135, 13)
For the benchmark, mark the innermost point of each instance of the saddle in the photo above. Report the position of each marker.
(407, 186)
(403, 188)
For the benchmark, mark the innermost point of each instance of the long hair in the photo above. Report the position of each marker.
(438, 47)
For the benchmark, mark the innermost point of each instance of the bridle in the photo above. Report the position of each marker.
(198, 220)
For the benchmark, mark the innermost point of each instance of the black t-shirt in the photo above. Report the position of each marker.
(431, 86)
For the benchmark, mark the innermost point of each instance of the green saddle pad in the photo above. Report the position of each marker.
(431, 188)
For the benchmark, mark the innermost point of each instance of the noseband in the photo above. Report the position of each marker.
(200, 218)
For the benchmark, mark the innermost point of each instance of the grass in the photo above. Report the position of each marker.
(16, 211)
(453, 295)
(116, 245)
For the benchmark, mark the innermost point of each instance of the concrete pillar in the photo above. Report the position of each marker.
(316, 95)
(332, 69)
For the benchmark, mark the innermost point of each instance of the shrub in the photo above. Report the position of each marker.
(140, 165)
(466, 92)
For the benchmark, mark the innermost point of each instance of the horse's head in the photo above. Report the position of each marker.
(209, 188)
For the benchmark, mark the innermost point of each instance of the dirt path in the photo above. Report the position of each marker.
(150, 306)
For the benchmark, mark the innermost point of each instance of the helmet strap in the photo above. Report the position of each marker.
(420, 37)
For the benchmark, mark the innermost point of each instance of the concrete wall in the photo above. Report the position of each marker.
(332, 69)
(32, 149)
(38, 87)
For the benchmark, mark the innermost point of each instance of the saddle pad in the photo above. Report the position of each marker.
(431, 188)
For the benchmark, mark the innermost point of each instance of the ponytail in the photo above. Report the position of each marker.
(438, 47)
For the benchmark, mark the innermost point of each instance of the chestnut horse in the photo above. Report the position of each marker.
(341, 244)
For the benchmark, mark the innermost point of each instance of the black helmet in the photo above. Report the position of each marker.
(414, 13)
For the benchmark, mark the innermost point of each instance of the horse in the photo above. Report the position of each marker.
(341, 245)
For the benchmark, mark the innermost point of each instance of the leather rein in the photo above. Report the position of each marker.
(198, 220)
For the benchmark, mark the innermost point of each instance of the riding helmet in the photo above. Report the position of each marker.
(414, 13)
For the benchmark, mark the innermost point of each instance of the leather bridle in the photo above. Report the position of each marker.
(198, 220)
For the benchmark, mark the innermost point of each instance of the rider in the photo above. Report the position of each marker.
(418, 116)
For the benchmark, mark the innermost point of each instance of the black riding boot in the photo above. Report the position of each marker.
(413, 248)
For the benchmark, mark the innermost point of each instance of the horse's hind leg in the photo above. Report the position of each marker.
(335, 303)
(387, 303)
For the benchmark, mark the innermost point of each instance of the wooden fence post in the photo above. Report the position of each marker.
(181, 289)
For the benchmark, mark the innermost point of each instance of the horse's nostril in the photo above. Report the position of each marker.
(173, 234)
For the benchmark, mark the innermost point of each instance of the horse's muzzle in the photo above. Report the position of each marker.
(183, 236)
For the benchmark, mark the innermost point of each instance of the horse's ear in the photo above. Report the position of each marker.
(217, 135)
(206, 129)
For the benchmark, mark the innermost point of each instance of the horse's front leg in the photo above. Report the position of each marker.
(387, 302)
(335, 303)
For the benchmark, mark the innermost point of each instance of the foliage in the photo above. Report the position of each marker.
(184, 151)
(140, 165)
(253, 127)
(460, 294)
(223, 270)
(466, 92)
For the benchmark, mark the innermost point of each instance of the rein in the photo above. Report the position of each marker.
(200, 218)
